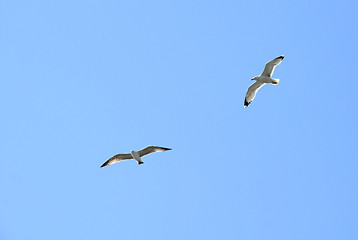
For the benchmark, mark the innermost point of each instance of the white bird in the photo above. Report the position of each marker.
(261, 80)
(134, 154)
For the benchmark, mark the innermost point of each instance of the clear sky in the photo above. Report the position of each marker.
(84, 80)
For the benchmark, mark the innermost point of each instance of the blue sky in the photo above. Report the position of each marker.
(84, 80)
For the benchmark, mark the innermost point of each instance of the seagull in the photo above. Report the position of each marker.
(135, 154)
(261, 80)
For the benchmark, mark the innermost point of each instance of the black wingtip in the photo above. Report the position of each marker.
(281, 57)
(246, 103)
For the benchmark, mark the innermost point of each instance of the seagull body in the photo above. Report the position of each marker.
(135, 155)
(261, 80)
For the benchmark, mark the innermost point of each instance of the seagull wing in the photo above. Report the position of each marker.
(152, 149)
(270, 66)
(117, 158)
(251, 92)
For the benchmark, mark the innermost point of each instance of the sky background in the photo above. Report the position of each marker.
(84, 80)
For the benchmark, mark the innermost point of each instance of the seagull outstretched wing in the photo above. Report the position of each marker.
(117, 158)
(152, 149)
(270, 66)
(251, 92)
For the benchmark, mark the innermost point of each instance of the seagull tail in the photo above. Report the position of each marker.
(275, 81)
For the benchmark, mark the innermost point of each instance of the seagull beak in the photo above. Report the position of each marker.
(252, 79)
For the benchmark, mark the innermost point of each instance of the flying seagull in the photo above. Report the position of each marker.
(134, 154)
(261, 80)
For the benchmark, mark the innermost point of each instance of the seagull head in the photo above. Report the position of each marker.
(254, 78)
